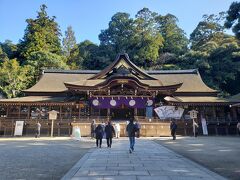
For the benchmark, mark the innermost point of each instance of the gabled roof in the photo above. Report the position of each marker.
(55, 81)
(191, 79)
(123, 61)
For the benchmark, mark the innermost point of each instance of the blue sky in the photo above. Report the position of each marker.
(89, 17)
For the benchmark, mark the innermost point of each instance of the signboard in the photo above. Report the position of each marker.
(167, 112)
(53, 115)
(18, 128)
(193, 114)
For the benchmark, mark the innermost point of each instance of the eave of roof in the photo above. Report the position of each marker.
(45, 100)
(235, 98)
(198, 100)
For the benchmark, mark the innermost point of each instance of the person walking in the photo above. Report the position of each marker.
(173, 128)
(38, 130)
(238, 127)
(131, 130)
(117, 130)
(109, 131)
(99, 135)
(93, 127)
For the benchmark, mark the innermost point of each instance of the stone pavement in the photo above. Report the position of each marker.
(149, 161)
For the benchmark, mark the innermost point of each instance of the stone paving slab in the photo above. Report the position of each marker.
(149, 161)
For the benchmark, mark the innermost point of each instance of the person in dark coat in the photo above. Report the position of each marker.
(109, 131)
(131, 130)
(99, 135)
(173, 128)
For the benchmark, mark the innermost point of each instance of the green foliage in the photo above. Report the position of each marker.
(119, 33)
(93, 57)
(175, 40)
(41, 34)
(10, 49)
(3, 56)
(147, 39)
(206, 30)
(46, 60)
(74, 60)
(233, 18)
(69, 42)
(14, 78)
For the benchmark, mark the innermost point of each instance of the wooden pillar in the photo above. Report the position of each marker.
(79, 111)
(7, 111)
(58, 128)
(28, 114)
(19, 111)
(135, 112)
(214, 113)
(12, 133)
(234, 113)
(70, 112)
(60, 113)
(49, 128)
(108, 112)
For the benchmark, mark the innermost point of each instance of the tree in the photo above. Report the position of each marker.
(233, 18)
(45, 60)
(118, 36)
(3, 56)
(41, 45)
(225, 65)
(175, 40)
(147, 39)
(207, 29)
(74, 60)
(14, 78)
(92, 56)
(41, 34)
(69, 42)
(10, 49)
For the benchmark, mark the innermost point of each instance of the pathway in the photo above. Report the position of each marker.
(149, 161)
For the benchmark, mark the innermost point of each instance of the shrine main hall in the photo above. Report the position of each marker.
(119, 92)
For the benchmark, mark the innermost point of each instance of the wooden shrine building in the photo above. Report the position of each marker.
(119, 92)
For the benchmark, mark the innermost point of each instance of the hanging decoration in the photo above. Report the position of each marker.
(115, 102)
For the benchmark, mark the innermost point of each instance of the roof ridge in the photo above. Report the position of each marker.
(182, 71)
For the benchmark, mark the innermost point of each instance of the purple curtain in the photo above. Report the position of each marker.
(115, 102)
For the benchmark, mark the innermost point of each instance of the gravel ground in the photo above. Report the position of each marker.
(219, 154)
(43, 158)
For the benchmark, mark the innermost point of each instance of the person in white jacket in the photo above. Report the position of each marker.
(117, 130)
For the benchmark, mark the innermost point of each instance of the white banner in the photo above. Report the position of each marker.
(76, 133)
(166, 112)
(18, 128)
(204, 126)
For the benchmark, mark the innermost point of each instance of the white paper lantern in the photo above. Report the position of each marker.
(113, 102)
(95, 102)
(132, 102)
